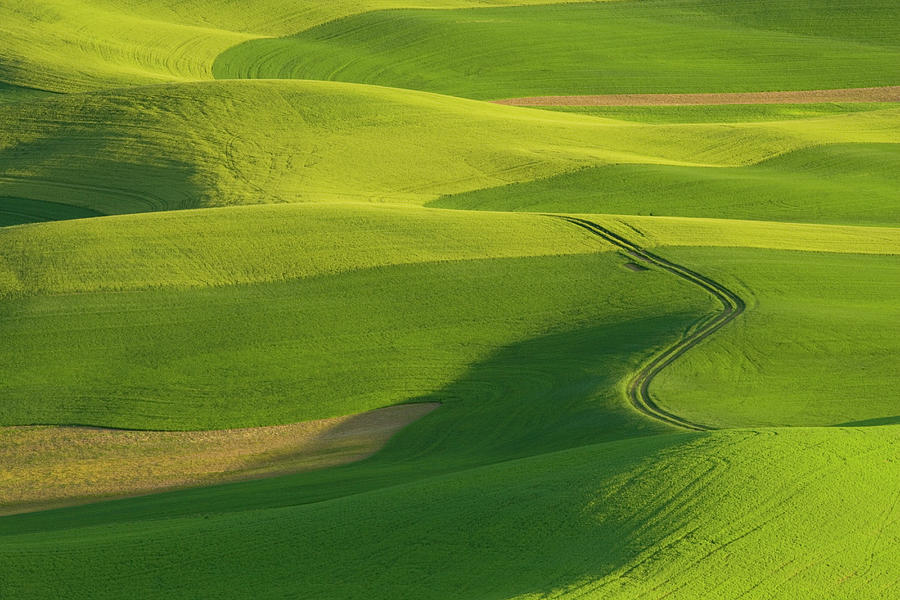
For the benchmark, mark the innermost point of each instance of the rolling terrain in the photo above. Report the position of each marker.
(325, 141)
(476, 299)
(576, 48)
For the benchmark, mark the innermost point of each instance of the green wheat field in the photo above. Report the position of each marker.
(450, 299)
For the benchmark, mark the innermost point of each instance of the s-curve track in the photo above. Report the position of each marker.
(638, 389)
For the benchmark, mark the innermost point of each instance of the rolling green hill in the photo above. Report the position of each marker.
(206, 144)
(15, 93)
(818, 334)
(818, 340)
(79, 45)
(84, 344)
(591, 48)
(841, 183)
(688, 515)
(68, 45)
(263, 244)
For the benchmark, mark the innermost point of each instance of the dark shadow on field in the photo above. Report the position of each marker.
(349, 439)
(895, 420)
(18, 211)
(549, 393)
(545, 394)
(10, 92)
(91, 168)
(551, 401)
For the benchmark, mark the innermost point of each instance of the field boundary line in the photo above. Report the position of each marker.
(889, 93)
(638, 388)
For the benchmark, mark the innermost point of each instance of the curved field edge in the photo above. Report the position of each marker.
(718, 514)
(53, 466)
(19, 211)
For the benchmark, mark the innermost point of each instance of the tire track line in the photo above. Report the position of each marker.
(638, 389)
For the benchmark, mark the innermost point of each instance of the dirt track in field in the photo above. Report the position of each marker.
(639, 386)
(871, 94)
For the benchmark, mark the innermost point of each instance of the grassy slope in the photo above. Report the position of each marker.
(844, 183)
(286, 352)
(200, 146)
(77, 45)
(209, 144)
(576, 371)
(817, 343)
(278, 17)
(650, 46)
(279, 344)
(70, 45)
(681, 516)
(259, 244)
(818, 347)
(660, 232)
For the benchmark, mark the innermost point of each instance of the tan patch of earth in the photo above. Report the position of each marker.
(871, 94)
(51, 466)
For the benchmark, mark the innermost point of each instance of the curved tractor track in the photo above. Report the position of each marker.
(639, 386)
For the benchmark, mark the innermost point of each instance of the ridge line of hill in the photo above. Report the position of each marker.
(638, 389)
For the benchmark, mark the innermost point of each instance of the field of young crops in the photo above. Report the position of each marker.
(464, 299)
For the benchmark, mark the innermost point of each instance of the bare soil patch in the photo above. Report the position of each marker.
(50, 466)
(871, 94)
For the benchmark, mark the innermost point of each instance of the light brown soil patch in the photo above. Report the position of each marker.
(48, 466)
(872, 94)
